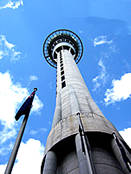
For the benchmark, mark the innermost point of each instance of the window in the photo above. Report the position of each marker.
(63, 84)
(62, 72)
(55, 56)
(61, 64)
(62, 78)
(72, 51)
(66, 47)
(62, 68)
(59, 49)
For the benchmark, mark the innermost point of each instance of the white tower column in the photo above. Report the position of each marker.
(80, 134)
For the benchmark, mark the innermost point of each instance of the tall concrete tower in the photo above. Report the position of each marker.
(82, 140)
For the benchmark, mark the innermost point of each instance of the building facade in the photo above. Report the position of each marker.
(82, 140)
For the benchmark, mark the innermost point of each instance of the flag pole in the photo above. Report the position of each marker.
(16, 146)
(12, 158)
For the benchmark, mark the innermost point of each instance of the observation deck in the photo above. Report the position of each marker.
(60, 40)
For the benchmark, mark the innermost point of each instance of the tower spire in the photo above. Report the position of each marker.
(78, 122)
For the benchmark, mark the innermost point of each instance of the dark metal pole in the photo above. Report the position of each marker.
(86, 147)
(16, 146)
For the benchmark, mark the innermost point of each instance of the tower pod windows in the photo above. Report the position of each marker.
(59, 49)
(72, 51)
(66, 47)
(62, 40)
(55, 56)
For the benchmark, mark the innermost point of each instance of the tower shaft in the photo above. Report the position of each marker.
(72, 93)
(82, 140)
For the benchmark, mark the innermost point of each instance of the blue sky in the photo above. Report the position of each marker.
(105, 30)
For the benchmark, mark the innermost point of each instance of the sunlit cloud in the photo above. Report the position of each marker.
(37, 104)
(2, 168)
(6, 134)
(13, 4)
(4, 150)
(31, 160)
(121, 90)
(101, 78)
(8, 49)
(12, 96)
(101, 40)
(126, 134)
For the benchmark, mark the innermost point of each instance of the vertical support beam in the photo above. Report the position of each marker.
(83, 148)
(50, 165)
(83, 160)
(118, 155)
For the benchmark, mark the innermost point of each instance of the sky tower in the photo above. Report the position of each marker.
(82, 140)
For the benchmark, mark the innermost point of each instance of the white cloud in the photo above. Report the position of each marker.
(121, 90)
(6, 134)
(2, 168)
(12, 4)
(33, 77)
(101, 40)
(101, 78)
(30, 162)
(12, 97)
(126, 134)
(6, 149)
(37, 104)
(8, 49)
(7, 44)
